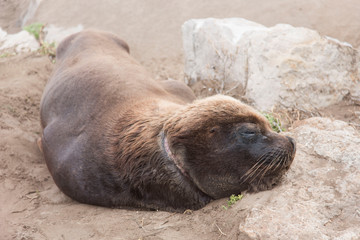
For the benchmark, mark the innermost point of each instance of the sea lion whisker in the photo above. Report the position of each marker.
(254, 171)
(283, 162)
(268, 167)
(286, 160)
(258, 173)
(263, 170)
(265, 154)
(279, 164)
(275, 162)
(254, 166)
(279, 160)
(259, 161)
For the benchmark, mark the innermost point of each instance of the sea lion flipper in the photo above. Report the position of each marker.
(179, 89)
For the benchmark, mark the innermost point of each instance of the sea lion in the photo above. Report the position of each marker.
(114, 137)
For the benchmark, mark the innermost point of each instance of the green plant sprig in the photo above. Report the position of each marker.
(35, 29)
(49, 49)
(233, 199)
(274, 122)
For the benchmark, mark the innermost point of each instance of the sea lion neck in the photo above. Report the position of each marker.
(135, 139)
(131, 127)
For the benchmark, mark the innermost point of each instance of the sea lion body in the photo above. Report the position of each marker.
(112, 136)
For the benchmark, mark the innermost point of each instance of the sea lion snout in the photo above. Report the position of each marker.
(293, 143)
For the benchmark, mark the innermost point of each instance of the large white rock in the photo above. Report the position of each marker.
(19, 42)
(281, 66)
(320, 197)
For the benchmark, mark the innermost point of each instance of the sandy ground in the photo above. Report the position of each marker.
(31, 205)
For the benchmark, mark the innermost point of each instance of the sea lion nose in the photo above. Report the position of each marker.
(293, 143)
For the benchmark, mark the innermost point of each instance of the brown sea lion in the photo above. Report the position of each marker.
(112, 136)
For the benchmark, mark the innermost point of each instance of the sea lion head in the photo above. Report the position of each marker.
(224, 147)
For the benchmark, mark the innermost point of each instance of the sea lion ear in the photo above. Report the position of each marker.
(179, 151)
(179, 158)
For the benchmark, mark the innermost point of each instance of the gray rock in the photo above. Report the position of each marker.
(281, 66)
(19, 42)
(320, 195)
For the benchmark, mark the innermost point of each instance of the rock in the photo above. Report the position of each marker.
(19, 42)
(280, 66)
(57, 34)
(25, 42)
(320, 195)
(30, 11)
